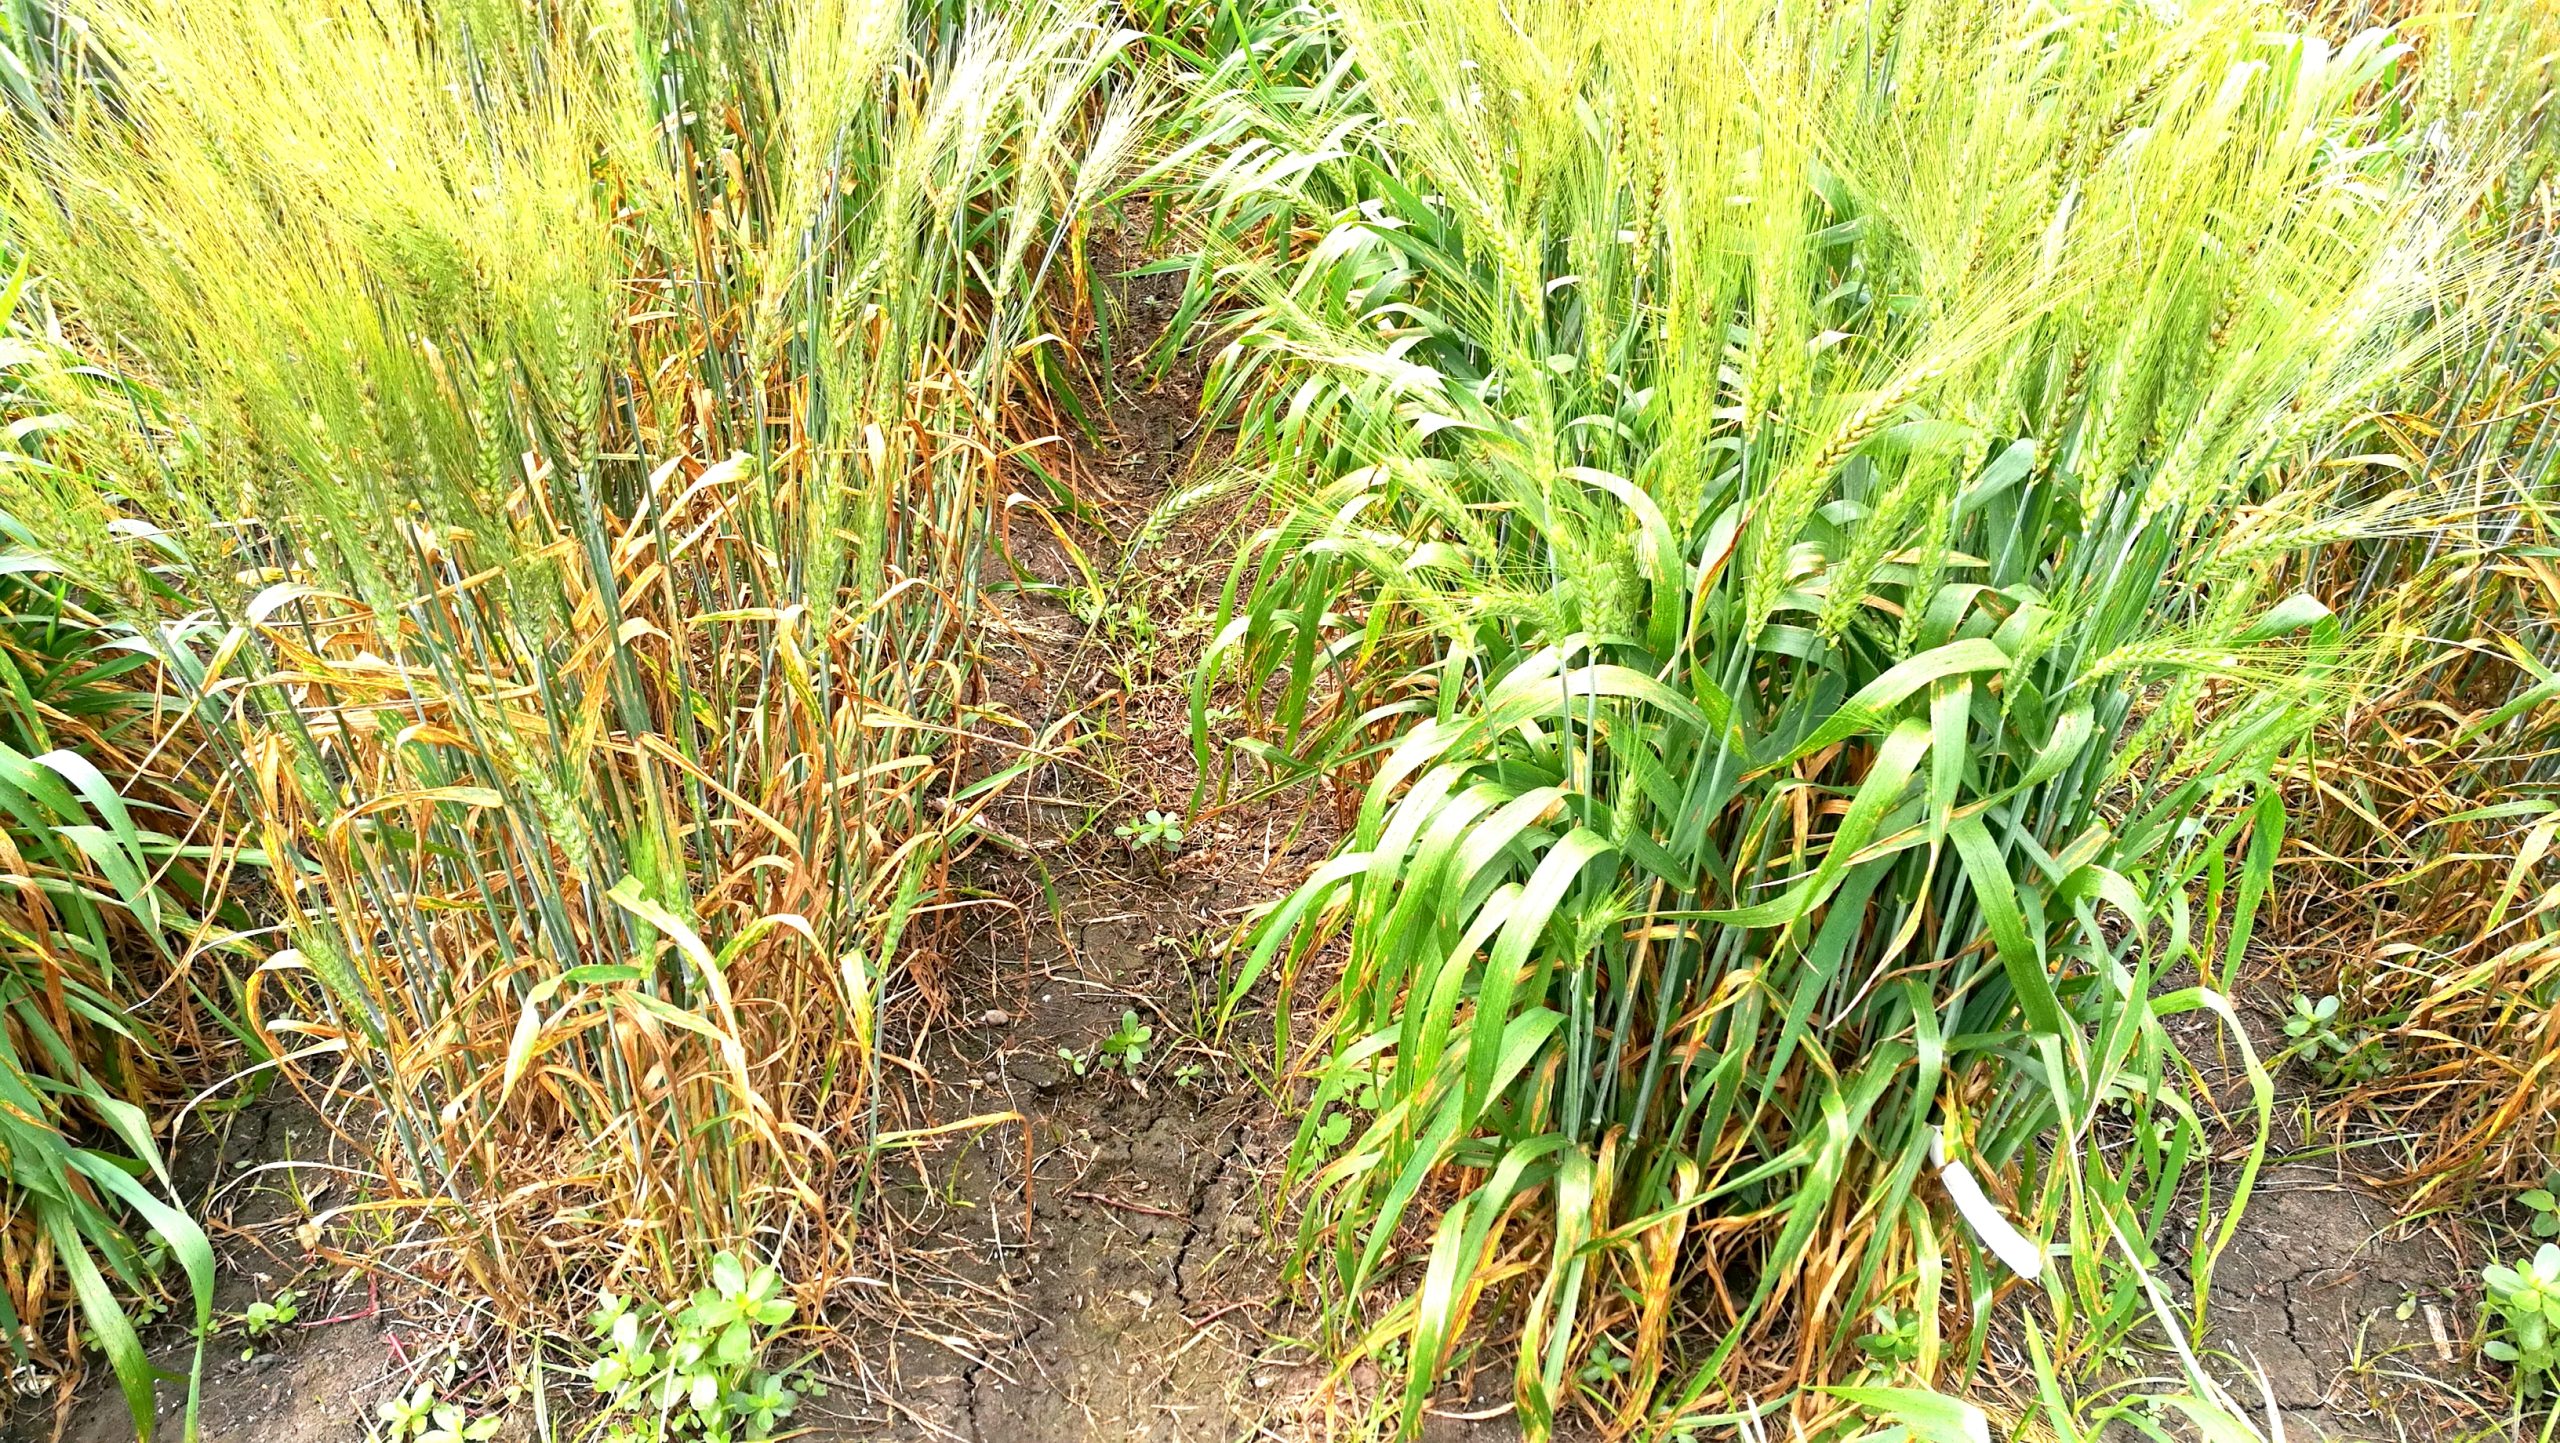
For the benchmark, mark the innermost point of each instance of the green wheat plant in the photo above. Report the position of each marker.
(114, 939)
(2424, 863)
(571, 438)
(1792, 520)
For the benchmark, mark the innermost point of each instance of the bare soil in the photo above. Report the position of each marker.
(1114, 1290)
(1100, 1270)
(2355, 1321)
(254, 1175)
(2327, 1310)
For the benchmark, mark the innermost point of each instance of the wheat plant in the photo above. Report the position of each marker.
(570, 439)
(2422, 882)
(1793, 517)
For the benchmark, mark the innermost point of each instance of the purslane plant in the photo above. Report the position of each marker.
(2522, 1313)
(693, 1371)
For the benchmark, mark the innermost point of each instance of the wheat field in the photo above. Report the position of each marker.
(1891, 646)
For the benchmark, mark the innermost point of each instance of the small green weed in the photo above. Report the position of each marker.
(264, 1317)
(407, 1417)
(268, 1314)
(2339, 1051)
(1155, 832)
(450, 1424)
(1606, 1364)
(2521, 1316)
(1127, 1047)
(2543, 1203)
(1336, 1127)
(1894, 1339)
(422, 1417)
(693, 1372)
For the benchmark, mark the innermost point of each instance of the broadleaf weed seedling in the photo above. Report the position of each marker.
(1606, 1364)
(1893, 1338)
(2521, 1316)
(432, 1412)
(2543, 1203)
(1336, 1127)
(1127, 1047)
(1155, 832)
(694, 1372)
(265, 1316)
(407, 1417)
(2339, 1051)
(450, 1424)
(422, 1417)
